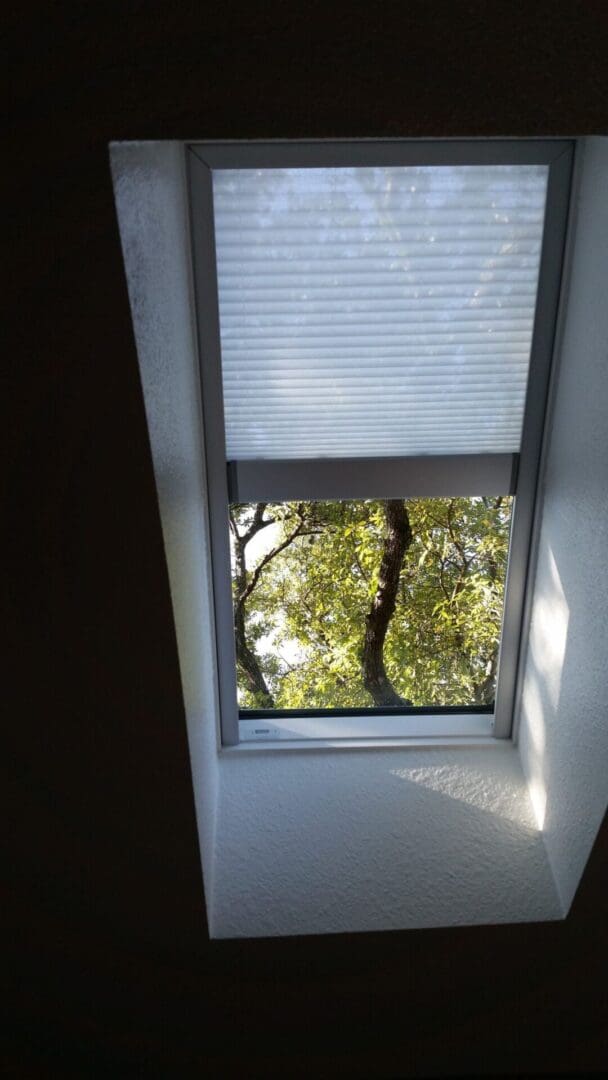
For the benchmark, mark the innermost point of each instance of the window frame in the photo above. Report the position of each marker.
(401, 477)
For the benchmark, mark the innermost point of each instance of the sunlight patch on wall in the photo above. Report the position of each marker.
(549, 632)
(548, 637)
(478, 789)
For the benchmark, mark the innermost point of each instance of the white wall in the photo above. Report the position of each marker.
(149, 187)
(563, 737)
(376, 839)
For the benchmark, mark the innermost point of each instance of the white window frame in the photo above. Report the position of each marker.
(441, 475)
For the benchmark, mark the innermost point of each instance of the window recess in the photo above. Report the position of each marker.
(375, 332)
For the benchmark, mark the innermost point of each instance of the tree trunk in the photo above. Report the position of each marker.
(397, 542)
(245, 657)
(485, 691)
(248, 663)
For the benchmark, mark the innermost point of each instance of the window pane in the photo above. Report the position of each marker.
(368, 603)
(376, 311)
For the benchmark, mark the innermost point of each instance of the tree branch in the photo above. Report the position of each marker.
(269, 556)
(245, 656)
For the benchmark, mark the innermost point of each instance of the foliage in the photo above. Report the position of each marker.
(305, 617)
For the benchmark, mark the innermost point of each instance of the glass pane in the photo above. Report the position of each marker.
(376, 311)
(361, 604)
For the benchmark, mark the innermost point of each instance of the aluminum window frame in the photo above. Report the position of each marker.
(308, 479)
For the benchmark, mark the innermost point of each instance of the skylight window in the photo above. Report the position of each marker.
(374, 349)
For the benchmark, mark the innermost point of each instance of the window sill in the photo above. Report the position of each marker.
(345, 732)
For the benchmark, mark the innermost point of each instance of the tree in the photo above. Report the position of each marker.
(376, 602)
(397, 541)
(243, 586)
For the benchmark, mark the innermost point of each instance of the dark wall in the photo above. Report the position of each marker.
(110, 967)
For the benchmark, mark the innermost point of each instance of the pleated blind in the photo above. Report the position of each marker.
(376, 311)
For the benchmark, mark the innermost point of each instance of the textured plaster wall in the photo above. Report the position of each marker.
(377, 840)
(150, 194)
(563, 737)
(296, 843)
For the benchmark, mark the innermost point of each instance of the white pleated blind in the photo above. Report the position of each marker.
(376, 311)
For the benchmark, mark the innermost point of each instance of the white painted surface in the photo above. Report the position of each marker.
(335, 729)
(364, 840)
(380, 839)
(150, 199)
(563, 736)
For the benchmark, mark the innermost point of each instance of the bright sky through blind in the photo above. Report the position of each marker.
(376, 311)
